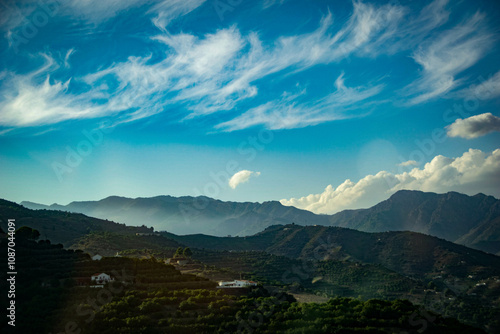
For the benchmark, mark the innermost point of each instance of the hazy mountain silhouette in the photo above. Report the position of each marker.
(469, 220)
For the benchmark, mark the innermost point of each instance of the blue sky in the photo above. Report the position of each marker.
(323, 105)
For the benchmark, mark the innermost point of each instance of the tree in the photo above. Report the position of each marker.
(179, 252)
(26, 232)
(187, 252)
(69, 283)
(55, 283)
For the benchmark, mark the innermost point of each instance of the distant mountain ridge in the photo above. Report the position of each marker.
(188, 215)
(469, 220)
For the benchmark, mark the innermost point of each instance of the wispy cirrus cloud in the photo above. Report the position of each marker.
(216, 72)
(446, 56)
(35, 99)
(288, 113)
(168, 10)
(17, 14)
(473, 172)
(220, 71)
(487, 89)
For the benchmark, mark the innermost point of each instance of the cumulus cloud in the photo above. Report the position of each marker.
(241, 177)
(473, 172)
(408, 163)
(474, 126)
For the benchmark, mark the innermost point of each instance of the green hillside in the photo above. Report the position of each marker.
(59, 226)
(409, 253)
(148, 296)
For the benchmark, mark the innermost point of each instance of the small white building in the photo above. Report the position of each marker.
(237, 284)
(101, 278)
(97, 257)
(181, 261)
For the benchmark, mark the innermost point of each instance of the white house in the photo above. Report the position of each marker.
(181, 261)
(237, 284)
(101, 278)
(97, 257)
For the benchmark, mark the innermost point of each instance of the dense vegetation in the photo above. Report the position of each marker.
(327, 262)
(60, 226)
(330, 278)
(204, 311)
(109, 243)
(48, 275)
(408, 253)
(149, 296)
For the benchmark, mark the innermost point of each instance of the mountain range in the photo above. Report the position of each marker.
(449, 278)
(408, 253)
(473, 221)
(188, 215)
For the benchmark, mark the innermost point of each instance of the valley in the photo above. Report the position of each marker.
(313, 263)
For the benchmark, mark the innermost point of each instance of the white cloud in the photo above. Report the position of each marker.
(36, 99)
(215, 72)
(201, 75)
(66, 58)
(168, 10)
(474, 126)
(270, 3)
(444, 57)
(408, 163)
(287, 113)
(17, 14)
(241, 177)
(487, 89)
(473, 172)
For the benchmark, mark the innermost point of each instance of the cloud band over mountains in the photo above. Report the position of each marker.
(473, 172)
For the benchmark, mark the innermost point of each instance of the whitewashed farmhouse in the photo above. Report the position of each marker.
(97, 257)
(101, 278)
(237, 284)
